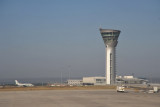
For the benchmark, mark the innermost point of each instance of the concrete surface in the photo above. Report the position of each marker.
(77, 98)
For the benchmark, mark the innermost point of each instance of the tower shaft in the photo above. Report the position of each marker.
(110, 65)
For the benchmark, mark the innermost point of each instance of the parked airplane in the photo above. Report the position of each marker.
(23, 84)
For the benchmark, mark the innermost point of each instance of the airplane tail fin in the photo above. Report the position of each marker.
(16, 82)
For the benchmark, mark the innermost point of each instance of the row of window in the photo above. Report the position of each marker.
(100, 80)
(110, 34)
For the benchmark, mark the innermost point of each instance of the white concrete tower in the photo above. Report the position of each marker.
(110, 38)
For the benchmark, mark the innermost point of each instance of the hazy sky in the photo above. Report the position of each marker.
(44, 38)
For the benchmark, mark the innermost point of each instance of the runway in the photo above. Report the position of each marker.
(77, 98)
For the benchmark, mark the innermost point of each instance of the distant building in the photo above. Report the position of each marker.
(128, 77)
(119, 80)
(102, 81)
(130, 80)
(94, 80)
(75, 82)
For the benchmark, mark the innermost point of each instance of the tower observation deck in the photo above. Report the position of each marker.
(110, 38)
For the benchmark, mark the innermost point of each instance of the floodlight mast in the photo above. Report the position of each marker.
(110, 38)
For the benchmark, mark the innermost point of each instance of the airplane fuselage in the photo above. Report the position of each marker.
(23, 84)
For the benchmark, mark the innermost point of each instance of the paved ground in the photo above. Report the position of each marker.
(77, 98)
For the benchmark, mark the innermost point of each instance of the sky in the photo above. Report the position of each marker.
(51, 38)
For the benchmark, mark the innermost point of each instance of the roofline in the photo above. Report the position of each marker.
(108, 30)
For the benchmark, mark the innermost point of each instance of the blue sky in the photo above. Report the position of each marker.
(44, 38)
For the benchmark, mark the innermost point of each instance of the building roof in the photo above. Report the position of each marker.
(108, 30)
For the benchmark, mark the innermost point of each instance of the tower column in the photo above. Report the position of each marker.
(110, 65)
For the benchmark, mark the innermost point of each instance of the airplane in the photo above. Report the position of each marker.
(23, 84)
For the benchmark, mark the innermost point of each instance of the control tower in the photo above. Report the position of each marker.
(110, 38)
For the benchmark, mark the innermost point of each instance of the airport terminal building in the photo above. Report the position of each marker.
(130, 80)
(102, 81)
(94, 80)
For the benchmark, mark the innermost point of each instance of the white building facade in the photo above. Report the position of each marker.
(94, 81)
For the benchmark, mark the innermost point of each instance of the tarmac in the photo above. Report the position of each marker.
(78, 98)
